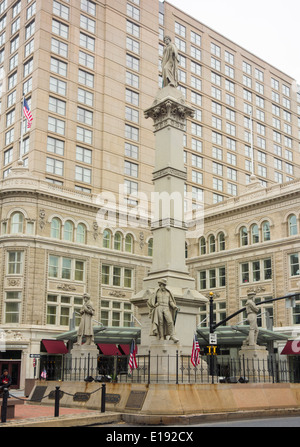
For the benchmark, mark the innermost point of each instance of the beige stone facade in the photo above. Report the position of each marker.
(89, 69)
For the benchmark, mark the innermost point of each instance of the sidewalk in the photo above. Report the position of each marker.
(31, 415)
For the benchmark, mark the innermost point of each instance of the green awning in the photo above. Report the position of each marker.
(235, 335)
(105, 334)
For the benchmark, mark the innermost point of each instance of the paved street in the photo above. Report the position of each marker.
(292, 421)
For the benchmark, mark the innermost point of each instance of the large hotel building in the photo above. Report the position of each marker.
(88, 70)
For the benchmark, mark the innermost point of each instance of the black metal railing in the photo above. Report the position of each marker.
(175, 369)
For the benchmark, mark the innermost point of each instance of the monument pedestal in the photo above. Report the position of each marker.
(84, 359)
(254, 361)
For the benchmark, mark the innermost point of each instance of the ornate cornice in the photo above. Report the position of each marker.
(170, 171)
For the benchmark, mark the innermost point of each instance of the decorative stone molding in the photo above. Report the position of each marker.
(14, 282)
(117, 294)
(168, 223)
(142, 240)
(42, 216)
(170, 171)
(66, 287)
(258, 289)
(95, 229)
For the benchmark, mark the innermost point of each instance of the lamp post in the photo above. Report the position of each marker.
(211, 312)
(211, 331)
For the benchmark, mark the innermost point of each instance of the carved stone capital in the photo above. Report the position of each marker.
(169, 112)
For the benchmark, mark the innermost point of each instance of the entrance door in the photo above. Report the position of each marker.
(14, 368)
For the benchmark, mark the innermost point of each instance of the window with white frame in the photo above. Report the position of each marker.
(15, 262)
(116, 313)
(12, 304)
(60, 309)
(255, 271)
(66, 268)
(117, 276)
(212, 278)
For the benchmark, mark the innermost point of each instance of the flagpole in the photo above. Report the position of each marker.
(22, 131)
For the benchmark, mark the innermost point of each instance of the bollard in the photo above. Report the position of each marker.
(4, 405)
(56, 405)
(103, 394)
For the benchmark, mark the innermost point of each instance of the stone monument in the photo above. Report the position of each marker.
(84, 355)
(168, 291)
(253, 355)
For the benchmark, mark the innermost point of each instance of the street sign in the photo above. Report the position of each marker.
(35, 356)
(213, 339)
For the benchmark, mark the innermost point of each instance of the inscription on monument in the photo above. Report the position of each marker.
(112, 398)
(81, 397)
(52, 394)
(38, 394)
(136, 400)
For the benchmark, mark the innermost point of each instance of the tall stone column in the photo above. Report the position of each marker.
(169, 113)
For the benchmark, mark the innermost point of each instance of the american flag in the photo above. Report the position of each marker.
(132, 359)
(195, 357)
(27, 113)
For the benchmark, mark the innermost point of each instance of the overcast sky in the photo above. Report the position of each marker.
(267, 28)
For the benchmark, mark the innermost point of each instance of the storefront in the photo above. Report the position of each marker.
(12, 360)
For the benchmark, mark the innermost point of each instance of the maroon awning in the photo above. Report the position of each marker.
(55, 346)
(125, 349)
(108, 349)
(292, 347)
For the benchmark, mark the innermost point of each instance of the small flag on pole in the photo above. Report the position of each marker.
(27, 113)
(132, 358)
(195, 357)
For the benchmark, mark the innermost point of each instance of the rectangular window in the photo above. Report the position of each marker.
(83, 155)
(58, 86)
(61, 10)
(54, 166)
(83, 174)
(86, 78)
(105, 274)
(60, 29)
(15, 262)
(84, 135)
(294, 264)
(12, 307)
(85, 97)
(59, 47)
(58, 66)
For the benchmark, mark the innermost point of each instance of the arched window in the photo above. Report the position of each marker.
(55, 228)
(106, 242)
(129, 243)
(118, 241)
(221, 241)
(17, 223)
(254, 234)
(212, 244)
(266, 232)
(243, 236)
(68, 231)
(81, 234)
(292, 225)
(202, 246)
(150, 247)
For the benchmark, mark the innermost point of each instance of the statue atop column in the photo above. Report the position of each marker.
(86, 328)
(170, 63)
(163, 311)
(252, 311)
